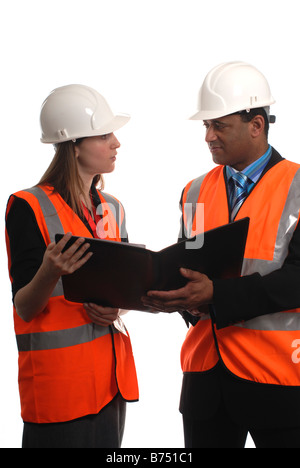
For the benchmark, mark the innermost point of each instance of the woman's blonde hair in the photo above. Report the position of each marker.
(63, 176)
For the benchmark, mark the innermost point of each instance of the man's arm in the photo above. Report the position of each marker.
(255, 295)
(238, 299)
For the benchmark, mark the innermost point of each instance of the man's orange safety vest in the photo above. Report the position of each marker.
(70, 367)
(262, 349)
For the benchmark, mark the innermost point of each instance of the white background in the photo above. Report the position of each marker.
(148, 58)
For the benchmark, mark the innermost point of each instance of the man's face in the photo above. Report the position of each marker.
(229, 140)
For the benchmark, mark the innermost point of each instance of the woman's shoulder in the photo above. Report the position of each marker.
(107, 198)
(17, 205)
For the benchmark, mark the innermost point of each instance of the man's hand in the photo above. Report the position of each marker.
(197, 293)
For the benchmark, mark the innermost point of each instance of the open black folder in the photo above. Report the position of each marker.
(119, 274)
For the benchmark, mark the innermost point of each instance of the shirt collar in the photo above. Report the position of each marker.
(254, 170)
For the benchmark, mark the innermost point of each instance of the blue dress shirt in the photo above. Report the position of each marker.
(253, 172)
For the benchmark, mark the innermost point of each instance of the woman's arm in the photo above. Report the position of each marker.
(32, 299)
(33, 284)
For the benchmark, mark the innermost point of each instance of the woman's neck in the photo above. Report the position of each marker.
(85, 194)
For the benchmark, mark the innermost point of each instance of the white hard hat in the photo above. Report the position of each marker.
(77, 111)
(232, 87)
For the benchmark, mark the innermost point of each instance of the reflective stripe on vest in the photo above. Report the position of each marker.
(274, 215)
(62, 338)
(53, 224)
(113, 204)
(50, 214)
(189, 205)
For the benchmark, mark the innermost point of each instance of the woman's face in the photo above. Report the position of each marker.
(97, 155)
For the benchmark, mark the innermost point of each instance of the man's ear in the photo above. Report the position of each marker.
(257, 126)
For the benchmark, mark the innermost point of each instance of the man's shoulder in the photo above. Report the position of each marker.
(198, 181)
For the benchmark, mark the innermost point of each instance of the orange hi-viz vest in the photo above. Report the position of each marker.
(261, 349)
(70, 367)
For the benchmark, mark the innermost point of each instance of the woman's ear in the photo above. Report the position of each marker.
(77, 151)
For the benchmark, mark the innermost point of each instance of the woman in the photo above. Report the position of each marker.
(76, 367)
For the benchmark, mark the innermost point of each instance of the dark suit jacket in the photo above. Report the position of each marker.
(259, 404)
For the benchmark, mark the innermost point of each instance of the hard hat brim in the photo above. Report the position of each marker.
(113, 125)
(212, 115)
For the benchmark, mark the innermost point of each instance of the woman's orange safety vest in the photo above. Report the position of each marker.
(262, 349)
(70, 367)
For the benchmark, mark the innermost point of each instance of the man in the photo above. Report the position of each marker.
(241, 357)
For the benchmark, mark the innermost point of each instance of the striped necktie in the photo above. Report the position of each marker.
(240, 193)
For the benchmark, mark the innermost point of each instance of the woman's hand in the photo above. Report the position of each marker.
(57, 263)
(31, 300)
(103, 316)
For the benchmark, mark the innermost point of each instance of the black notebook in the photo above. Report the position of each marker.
(119, 274)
